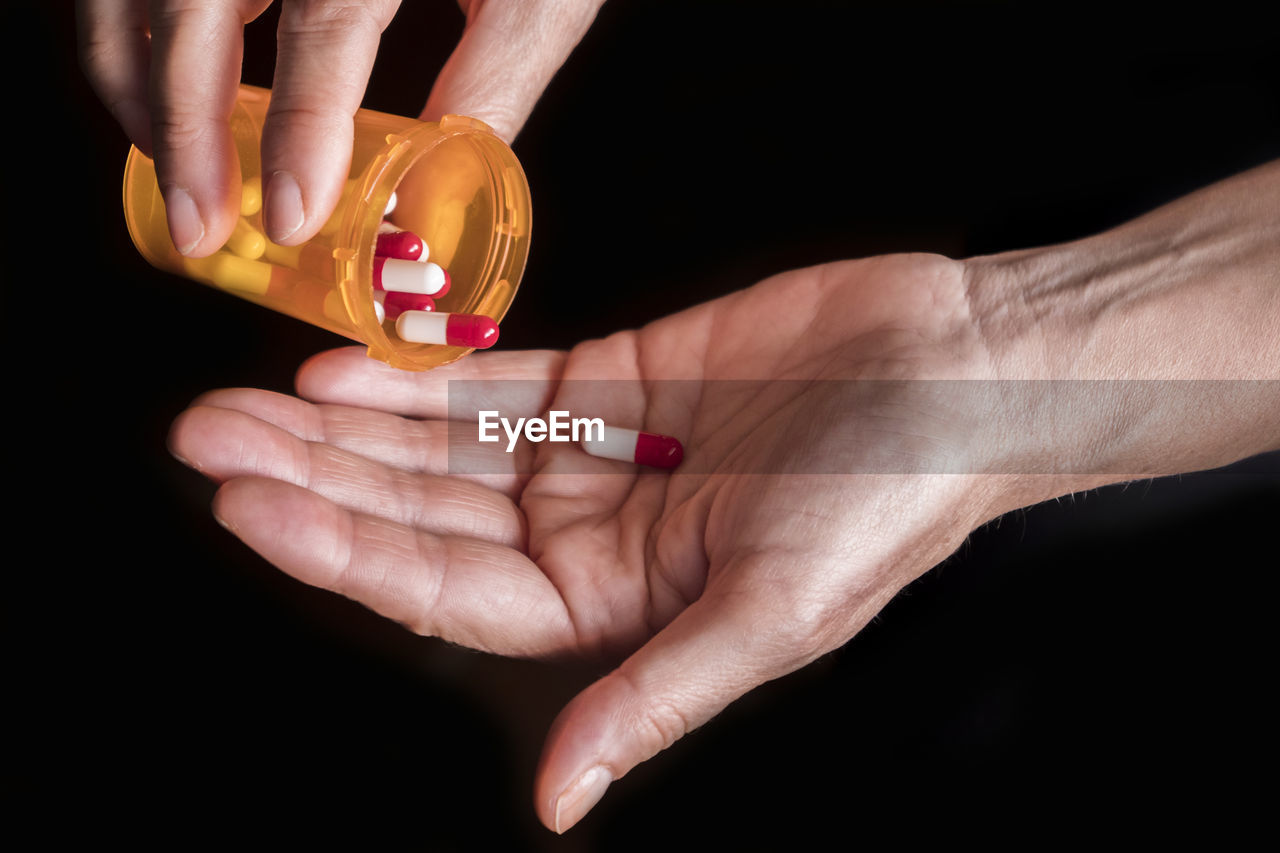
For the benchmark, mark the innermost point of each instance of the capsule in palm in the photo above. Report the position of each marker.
(629, 445)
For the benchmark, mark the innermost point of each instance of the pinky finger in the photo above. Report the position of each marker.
(477, 594)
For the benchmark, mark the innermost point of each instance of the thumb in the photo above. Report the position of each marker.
(508, 54)
(712, 653)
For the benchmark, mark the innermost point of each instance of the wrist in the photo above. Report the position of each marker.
(1159, 340)
(1189, 291)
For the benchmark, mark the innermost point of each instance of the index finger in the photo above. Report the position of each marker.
(196, 48)
(475, 593)
(519, 383)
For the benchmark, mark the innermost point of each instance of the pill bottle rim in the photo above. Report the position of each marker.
(359, 233)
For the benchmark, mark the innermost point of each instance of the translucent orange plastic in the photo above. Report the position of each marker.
(457, 185)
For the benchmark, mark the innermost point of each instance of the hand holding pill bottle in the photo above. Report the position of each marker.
(168, 71)
(460, 197)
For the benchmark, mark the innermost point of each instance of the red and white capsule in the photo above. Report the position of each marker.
(456, 330)
(397, 274)
(642, 448)
(403, 245)
(398, 303)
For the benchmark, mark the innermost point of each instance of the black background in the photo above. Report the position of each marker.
(1089, 668)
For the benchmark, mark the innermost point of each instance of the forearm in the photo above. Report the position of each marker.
(1190, 291)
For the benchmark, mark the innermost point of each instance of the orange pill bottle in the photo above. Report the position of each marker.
(458, 186)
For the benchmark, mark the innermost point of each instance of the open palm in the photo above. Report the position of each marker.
(808, 497)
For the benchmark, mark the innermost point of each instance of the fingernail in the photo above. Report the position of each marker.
(577, 799)
(226, 525)
(282, 206)
(185, 226)
(185, 461)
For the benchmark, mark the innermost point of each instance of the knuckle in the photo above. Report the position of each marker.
(105, 53)
(334, 18)
(802, 624)
(169, 17)
(180, 128)
(424, 617)
(658, 720)
(98, 55)
(808, 623)
(664, 723)
(308, 118)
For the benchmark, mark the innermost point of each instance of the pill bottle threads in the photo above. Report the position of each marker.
(457, 185)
